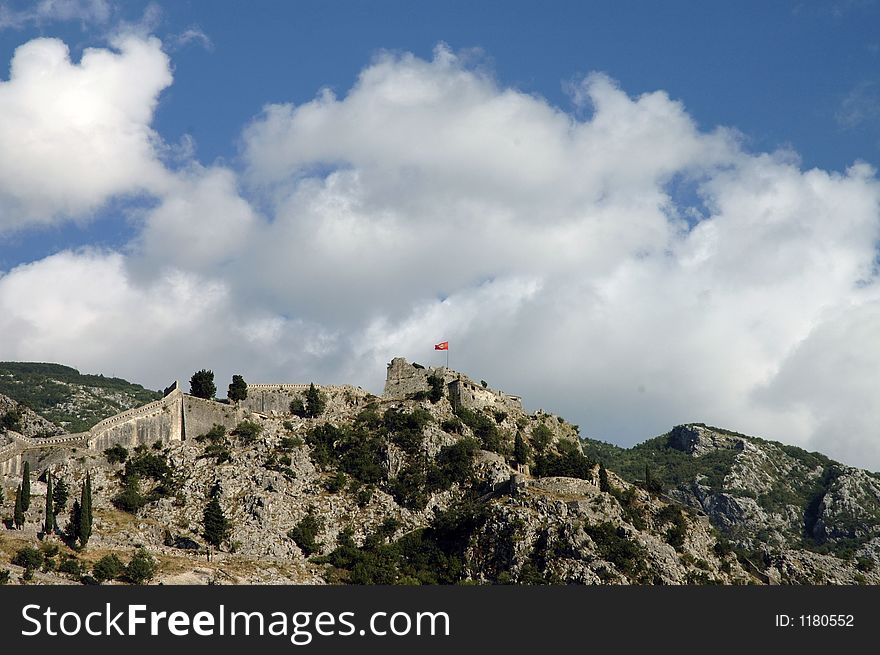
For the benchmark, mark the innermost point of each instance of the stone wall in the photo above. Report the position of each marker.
(276, 398)
(160, 420)
(404, 379)
(200, 415)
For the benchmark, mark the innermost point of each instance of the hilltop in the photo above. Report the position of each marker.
(439, 480)
(67, 398)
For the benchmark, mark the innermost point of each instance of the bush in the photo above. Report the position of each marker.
(541, 437)
(452, 426)
(117, 454)
(305, 533)
(289, 443)
(72, 566)
(28, 557)
(336, 483)
(141, 568)
(108, 567)
(405, 429)
(569, 462)
(437, 388)
(311, 405)
(484, 428)
(130, 499)
(247, 431)
(216, 434)
(4, 576)
(11, 420)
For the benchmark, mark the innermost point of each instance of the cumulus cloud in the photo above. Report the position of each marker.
(72, 135)
(609, 261)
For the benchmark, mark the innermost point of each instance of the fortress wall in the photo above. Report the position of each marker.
(404, 379)
(160, 420)
(200, 415)
(10, 463)
(269, 398)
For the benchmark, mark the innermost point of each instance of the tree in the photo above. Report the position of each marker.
(75, 520)
(520, 449)
(49, 524)
(108, 567)
(316, 402)
(18, 513)
(201, 384)
(26, 487)
(604, 485)
(237, 390)
(85, 517)
(141, 568)
(59, 495)
(217, 526)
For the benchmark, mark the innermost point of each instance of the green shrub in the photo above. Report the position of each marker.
(28, 557)
(4, 576)
(108, 567)
(141, 568)
(247, 431)
(452, 426)
(305, 533)
(117, 454)
(72, 566)
(484, 428)
(289, 443)
(336, 483)
(437, 388)
(130, 499)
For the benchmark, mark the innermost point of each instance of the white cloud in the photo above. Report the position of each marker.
(552, 248)
(74, 135)
(84, 11)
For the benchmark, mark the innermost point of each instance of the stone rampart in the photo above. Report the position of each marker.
(160, 420)
(404, 379)
(276, 398)
(200, 415)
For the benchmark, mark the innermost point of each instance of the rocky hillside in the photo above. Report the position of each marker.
(371, 491)
(16, 417)
(346, 487)
(800, 515)
(68, 398)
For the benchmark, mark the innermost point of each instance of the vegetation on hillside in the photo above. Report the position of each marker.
(68, 398)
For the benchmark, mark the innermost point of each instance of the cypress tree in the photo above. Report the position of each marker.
(85, 519)
(59, 495)
(49, 525)
(75, 519)
(18, 514)
(26, 487)
(604, 485)
(217, 526)
(237, 390)
(520, 449)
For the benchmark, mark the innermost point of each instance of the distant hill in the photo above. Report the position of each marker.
(764, 496)
(68, 398)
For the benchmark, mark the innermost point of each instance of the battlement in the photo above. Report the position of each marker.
(404, 379)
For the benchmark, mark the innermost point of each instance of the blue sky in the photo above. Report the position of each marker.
(632, 213)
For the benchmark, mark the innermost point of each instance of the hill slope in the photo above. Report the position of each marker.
(68, 398)
(766, 497)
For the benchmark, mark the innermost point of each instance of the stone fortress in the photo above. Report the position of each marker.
(178, 416)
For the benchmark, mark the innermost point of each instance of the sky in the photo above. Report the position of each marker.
(632, 214)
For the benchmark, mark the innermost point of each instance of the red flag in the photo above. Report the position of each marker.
(443, 345)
